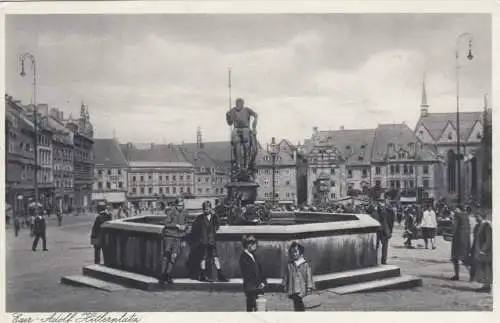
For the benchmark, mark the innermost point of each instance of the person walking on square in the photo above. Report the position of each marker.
(482, 254)
(460, 244)
(254, 280)
(429, 226)
(39, 231)
(298, 281)
(174, 233)
(96, 236)
(203, 235)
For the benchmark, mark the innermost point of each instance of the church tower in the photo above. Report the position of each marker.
(424, 107)
(199, 141)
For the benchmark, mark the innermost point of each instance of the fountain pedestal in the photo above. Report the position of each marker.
(248, 191)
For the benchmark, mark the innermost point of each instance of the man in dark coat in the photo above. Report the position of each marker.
(96, 237)
(39, 231)
(460, 245)
(174, 234)
(203, 235)
(254, 280)
(384, 214)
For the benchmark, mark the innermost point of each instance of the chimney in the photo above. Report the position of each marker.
(315, 130)
(341, 127)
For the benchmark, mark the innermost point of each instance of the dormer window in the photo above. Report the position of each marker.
(421, 133)
(363, 146)
(479, 136)
(347, 147)
(450, 136)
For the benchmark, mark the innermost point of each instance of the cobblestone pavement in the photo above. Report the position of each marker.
(33, 282)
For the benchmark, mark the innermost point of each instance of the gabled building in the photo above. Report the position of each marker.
(440, 130)
(110, 172)
(285, 178)
(402, 162)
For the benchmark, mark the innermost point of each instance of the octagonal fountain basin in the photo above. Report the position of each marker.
(333, 242)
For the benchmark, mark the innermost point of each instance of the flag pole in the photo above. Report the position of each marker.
(230, 131)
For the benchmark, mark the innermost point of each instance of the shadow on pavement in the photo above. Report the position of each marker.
(461, 288)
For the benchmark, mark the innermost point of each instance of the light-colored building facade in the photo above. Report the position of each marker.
(149, 183)
(285, 178)
(110, 172)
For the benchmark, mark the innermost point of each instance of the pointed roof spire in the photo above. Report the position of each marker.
(423, 103)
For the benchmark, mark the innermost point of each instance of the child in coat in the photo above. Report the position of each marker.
(297, 281)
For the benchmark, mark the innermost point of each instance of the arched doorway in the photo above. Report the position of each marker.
(452, 167)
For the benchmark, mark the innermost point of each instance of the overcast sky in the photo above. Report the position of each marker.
(155, 78)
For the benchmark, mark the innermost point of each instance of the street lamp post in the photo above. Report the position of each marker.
(457, 68)
(273, 150)
(35, 120)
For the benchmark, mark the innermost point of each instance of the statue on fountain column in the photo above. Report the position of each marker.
(243, 140)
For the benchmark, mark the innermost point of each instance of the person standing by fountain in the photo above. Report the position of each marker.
(386, 217)
(203, 234)
(298, 281)
(174, 232)
(254, 280)
(482, 253)
(95, 236)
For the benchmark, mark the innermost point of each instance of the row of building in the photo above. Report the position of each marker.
(64, 151)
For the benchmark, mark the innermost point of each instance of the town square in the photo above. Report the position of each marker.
(201, 163)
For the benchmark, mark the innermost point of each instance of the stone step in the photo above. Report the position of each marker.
(121, 277)
(356, 276)
(86, 281)
(400, 282)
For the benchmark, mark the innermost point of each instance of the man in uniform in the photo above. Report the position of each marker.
(239, 116)
(174, 233)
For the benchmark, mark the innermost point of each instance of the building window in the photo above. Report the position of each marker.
(426, 169)
(142, 190)
(142, 178)
(161, 190)
(150, 190)
(188, 189)
(332, 171)
(222, 191)
(314, 171)
(450, 136)
(200, 191)
(108, 185)
(405, 169)
(206, 179)
(134, 190)
(174, 177)
(332, 183)
(207, 190)
(349, 173)
(167, 190)
(412, 183)
(174, 190)
(396, 169)
(133, 178)
(199, 179)
(287, 183)
(188, 177)
(426, 183)
(410, 169)
(377, 170)
(150, 177)
(120, 185)
(181, 178)
(119, 172)
(99, 172)
(99, 185)
(365, 173)
(378, 183)
(181, 189)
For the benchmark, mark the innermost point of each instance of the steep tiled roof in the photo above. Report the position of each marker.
(218, 151)
(283, 158)
(155, 153)
(399, 135)
(435, 123)
(107, 153)
(354, 145)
